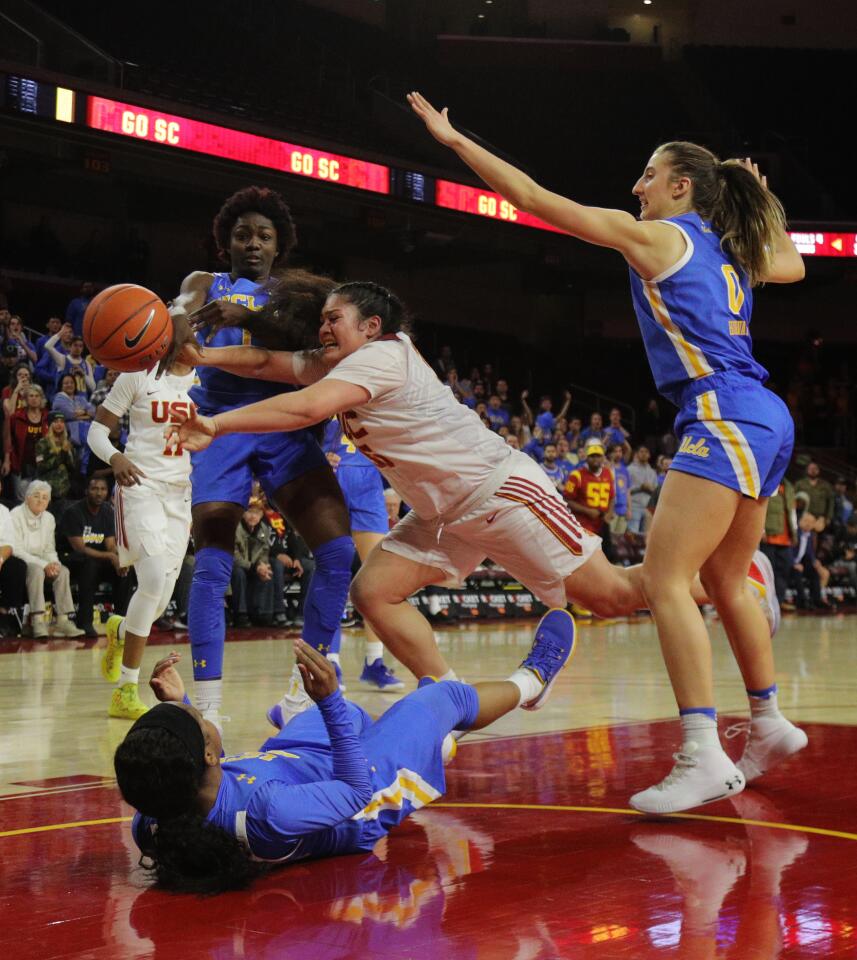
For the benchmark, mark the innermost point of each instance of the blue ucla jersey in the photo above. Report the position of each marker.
(217, 390)
(285, 802)
(335, 441)
(695, 317)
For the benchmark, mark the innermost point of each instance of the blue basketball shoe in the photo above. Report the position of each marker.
(552, 648)
(377, 674)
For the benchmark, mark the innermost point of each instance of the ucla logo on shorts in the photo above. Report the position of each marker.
(696, 448)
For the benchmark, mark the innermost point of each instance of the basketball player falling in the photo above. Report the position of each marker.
(152, 504)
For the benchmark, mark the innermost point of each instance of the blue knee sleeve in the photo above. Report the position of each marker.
(206, 624)
(327, 593)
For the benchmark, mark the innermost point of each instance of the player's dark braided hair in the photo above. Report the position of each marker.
(373, 300)
(157, 776)
(256, 200)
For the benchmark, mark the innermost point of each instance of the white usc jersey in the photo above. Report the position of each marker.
(435, 452)
(152, 404)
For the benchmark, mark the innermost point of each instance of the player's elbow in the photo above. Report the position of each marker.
(313, 410)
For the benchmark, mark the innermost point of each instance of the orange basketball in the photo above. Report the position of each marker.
(127, 327)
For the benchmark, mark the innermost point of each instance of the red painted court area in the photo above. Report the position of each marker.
(531, 855)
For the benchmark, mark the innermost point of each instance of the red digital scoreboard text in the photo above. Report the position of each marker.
(484, 203)
(815, 243)
(141, 123)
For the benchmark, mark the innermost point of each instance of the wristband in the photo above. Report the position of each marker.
(180, 304)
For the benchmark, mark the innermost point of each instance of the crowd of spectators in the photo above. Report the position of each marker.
(611, 481)
(56, 522)
(57, 526)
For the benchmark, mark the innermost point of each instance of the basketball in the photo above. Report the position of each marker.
(127, 327)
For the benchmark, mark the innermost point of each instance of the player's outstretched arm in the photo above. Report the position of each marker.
(638, 241)
(289, 411)
(301, 367)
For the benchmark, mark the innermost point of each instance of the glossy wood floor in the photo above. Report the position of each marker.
(532, 854)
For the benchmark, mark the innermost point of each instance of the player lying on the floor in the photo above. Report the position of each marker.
(331, 782)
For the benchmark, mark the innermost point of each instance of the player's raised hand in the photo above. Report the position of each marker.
(193, 433)
(166, 682)
(218, 314)
(318, 673)
(748, 164)
(437, 124)
(126, 472)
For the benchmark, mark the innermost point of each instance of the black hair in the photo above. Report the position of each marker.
(255, 200)
(157, 776)
(372, 300)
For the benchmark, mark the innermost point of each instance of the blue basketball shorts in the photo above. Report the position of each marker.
(735, 432)
(364, 495)
(224, 471)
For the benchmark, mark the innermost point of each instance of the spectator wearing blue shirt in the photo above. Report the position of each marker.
(595, 430)
(545, 421)
(616, 461)
(843, 508)
(575, 427)
(77, 307)
(76, 407)
(556, 469)
(477, 394)
(16, 336)
(70, 359)
(546, 413)
(662, 465)
(614, 431)
(565, 455)
(497, 416)
(54, 325)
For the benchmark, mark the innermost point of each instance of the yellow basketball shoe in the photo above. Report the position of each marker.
(111, 659)
(126, 704)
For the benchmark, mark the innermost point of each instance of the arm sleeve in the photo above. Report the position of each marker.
(379, 367)
(291, 810)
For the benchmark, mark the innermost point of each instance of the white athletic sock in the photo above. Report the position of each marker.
(128, 675)
(333, 657)
(374, 650)
(700, 728)
(209, 695)
(528, 683)
(766, 707)
(120, 633)
(449, 675)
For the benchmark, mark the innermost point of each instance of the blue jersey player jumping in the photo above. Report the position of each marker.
(331, 781)
(363, 490)
(254, 232)
(707, 233)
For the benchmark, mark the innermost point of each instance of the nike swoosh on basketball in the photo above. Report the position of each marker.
(131, 342)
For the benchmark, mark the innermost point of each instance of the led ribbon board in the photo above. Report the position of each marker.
(140, 123)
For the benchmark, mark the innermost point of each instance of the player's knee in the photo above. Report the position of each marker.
(212, 567)
(368, 592)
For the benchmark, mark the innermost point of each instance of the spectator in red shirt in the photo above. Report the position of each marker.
(590, 492)
(26, 427)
